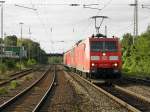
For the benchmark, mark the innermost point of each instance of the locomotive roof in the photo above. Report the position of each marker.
(102, 39)
(94, 39)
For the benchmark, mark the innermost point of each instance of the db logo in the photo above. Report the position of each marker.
(104, 57)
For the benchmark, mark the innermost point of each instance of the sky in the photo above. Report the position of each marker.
(57, 26)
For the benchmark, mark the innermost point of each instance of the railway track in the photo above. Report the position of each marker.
(102, 97)
(137, 80)
(62, 97)
(16, 76)
(32, 97)
(41, 102)
(138, 86)
(139, 102)
(133, 102)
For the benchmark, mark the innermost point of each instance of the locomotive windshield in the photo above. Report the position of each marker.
(103, 46)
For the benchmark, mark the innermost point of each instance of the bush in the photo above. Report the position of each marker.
(55, 60)
(14, 84)
(31, 62)
(3, 91)
(10, 64)
(136, 58)
(18, 65)
(3, 68)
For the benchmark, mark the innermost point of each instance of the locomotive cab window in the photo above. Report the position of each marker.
(111, 46)
(100, 46)
(96, 46)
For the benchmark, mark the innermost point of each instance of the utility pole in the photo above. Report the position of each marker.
(2, 22)
(39, 54)
(135, 33)
(21, 25)
(106, 30)
(98, 25)
(29, 45)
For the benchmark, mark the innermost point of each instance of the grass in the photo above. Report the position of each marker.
(3, 77)
(3, 91)
(14, 84)
(27, 78)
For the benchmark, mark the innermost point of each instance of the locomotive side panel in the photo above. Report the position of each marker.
(82, 56)
(72, 58)
(67, 59)
(87, 57)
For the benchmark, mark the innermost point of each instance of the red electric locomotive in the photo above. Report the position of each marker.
(96, 57)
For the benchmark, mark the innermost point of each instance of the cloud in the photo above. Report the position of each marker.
(70, 23)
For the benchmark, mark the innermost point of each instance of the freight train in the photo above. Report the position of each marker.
(96, 57)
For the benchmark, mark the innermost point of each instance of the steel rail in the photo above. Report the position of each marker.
(20, 72)
(39, 105)
(145, 99)
(7, 103)
(16, 76)
(136, 100)
(116, 99)
(137, 79)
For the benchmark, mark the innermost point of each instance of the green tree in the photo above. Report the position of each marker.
(33, 50)
(127, 41)
(1, 40)
(10, 40)
(137, 57)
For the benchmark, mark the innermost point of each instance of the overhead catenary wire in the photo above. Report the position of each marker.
(106, 5)
(40, 19)
(50, 31)
(38, 15)
(69, 4)
(87, 27)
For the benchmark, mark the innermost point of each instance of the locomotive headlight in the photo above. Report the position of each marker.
(93, 64)
(104, 54)
(115, 64)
